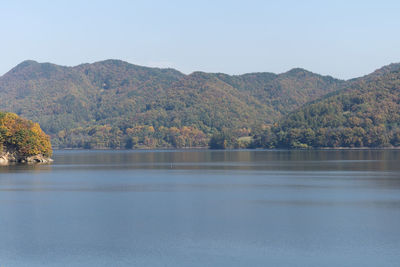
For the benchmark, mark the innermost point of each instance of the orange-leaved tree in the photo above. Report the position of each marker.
(25, 136)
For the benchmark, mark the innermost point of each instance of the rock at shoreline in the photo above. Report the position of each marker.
(12, 157)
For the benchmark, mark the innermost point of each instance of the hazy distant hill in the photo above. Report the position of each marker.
(364, 113)
(116, 104)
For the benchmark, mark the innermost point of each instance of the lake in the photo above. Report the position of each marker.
(203, 208)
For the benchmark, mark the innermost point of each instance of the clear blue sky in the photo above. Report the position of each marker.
(344, 39)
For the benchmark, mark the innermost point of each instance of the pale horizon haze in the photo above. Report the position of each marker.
(344, 39)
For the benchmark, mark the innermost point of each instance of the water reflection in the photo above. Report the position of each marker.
(203, 208)
(339, 160)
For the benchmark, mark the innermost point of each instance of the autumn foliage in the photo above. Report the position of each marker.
(114, 104)
(25, 136)
(364, 114)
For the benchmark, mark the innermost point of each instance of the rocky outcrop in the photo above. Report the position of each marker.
(37, 159)
(9, 157)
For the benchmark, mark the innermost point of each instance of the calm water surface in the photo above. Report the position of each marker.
(203, 208)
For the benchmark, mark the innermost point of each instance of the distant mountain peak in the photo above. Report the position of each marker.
(111, 61)
(29, 61)
(390, 68)
(26, 63)
(393, 67)
(200, 74)
(297, 71)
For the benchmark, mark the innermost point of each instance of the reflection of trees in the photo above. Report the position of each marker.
(28, 168)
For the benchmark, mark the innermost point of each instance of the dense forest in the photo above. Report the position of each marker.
(21, 136)
(366, 113)
(114, 104)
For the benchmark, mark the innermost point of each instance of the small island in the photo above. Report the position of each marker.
(22, 141)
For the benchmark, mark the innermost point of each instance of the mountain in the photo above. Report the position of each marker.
(365, 113)
(114, 104)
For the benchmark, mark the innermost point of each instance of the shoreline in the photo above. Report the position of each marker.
(228, 149)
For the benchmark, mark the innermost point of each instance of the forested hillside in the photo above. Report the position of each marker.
(114, 104)
(366, 113)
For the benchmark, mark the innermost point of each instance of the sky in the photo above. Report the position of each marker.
(344, 39)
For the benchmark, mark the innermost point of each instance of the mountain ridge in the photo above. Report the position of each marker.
(28, 62)
(365, 113)
(393, 65)
(89, 104)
